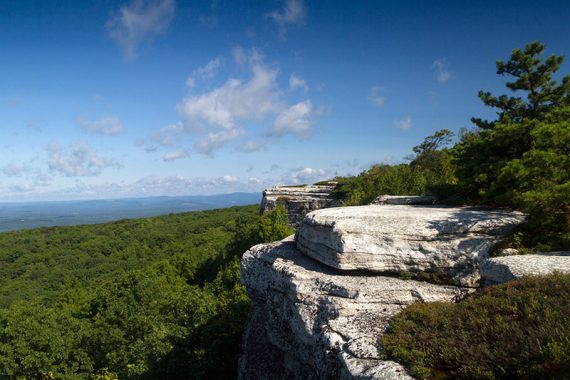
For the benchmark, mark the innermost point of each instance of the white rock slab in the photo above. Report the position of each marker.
(497, 270)
(389, 238)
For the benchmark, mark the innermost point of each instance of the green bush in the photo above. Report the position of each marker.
(517, 330)
(431, 171)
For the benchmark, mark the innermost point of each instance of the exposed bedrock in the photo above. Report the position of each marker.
(508, 268)
(310, 321)
(392, 238)
(298, 200)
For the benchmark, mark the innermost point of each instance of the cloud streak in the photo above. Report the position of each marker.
(139, 22)
(110, 126)
(293, 12)
(203, 73)
(375, 97)
(404, 124)
(294, 120)
(173, 156)
(442, 72)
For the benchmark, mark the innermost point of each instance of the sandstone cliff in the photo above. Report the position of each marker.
(321, 301)
(298, 200)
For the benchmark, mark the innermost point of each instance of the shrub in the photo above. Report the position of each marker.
(517, 330)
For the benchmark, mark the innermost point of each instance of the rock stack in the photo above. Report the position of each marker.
(322, 300)
(298, 200)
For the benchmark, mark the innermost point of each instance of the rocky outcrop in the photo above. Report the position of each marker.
(298, 200)
(404, 200)
(450, 240)
(321, 302)
(508, 268)
(309, 321)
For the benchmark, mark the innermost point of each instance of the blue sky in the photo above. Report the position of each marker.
(140, 98)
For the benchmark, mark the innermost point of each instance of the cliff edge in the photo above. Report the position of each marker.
(313, 316)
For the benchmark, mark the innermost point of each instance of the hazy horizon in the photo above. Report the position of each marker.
(25, 215)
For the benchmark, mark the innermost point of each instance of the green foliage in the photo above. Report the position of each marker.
(522, 159)
(380, 179)
(434, 160)
(136, 299)
(516, 330)
(269, 227)
(431, 170)
(532, 75)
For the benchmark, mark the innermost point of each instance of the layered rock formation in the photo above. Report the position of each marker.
(308, 321)
(508, 268)
(324, 318)
(450, 240)
(298, 200)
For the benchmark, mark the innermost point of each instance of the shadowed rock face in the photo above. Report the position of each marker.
(298, 200)
(309, 321)
(388, 238)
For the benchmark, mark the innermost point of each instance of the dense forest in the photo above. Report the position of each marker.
(135, 299)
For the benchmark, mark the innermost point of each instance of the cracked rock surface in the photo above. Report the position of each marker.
(311, 321)
(397, 238)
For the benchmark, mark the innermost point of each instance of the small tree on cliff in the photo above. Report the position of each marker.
(521, 159)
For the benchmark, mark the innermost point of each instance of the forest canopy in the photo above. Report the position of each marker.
(138, 299)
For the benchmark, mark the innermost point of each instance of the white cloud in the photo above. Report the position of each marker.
(293, 12)
(249, 146)
(15, 170)
(216, 140)
(203, 73)
(404, 124)
(294, 120)
(173, 156)
(167, 135)
(305, 175)
(81, 161)
(21, 188)
(295, 82)
(220, 115)
(220, 109)
(29, 173)
(139, 22)
(442, 70)
(229, 179)
(375, 96)
(110, 126)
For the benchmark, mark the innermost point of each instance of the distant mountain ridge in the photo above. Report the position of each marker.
(25, 215)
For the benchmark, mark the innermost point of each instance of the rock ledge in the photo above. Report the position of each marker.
(388, 238)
